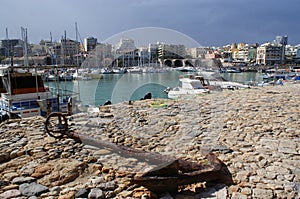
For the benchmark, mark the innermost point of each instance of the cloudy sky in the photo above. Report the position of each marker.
(208, 22)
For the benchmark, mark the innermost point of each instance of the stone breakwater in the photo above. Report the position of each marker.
(255, 132)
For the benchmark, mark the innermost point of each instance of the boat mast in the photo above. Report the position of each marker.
(6, 46)
(77, 60)
(24, 38)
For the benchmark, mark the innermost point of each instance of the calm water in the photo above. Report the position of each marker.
(125, 87)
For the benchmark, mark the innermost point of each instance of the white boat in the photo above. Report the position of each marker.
(227, 84)
(65, 77)
(119, 70)
(82, 75)
(217, 81)
(51, 78)
(134, 70)
(186, 69)
(188, 86)
(24, 95)
(106, 71)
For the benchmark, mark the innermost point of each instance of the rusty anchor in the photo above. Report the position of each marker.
(169, 173)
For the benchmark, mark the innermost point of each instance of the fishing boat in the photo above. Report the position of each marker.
(23, 94)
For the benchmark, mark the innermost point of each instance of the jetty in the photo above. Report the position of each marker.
(254, 132)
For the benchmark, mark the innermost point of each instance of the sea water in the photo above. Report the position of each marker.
(134, 86)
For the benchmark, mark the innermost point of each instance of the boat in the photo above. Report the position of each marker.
(81, 75)
(228, 85)
(119, 70)
(230, 70)
(23, 95)
(134, 70)
(65, 76)
(217, 81)
(186, 69)
(106, 71)
(188, 86)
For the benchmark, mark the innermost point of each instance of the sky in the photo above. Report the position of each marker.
(207, 22)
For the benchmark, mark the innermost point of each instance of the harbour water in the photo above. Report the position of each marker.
(134, 86)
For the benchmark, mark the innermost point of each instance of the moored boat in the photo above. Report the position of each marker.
(24, 95)
(188, 86)
(135, 70)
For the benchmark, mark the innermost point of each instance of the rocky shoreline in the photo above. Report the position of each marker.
(255, 132)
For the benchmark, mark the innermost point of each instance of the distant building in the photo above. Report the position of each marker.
(70, 47)
(241, 54)
(281, 40)
(9, 46)
(89, 44)
(212, 54)
(103, 53)
(269, 54)
(252, 53)
(297, 53)
(142, 55)
(171, 51)
(153, 52)
(198, 52)
(125, 45)
(65, 51)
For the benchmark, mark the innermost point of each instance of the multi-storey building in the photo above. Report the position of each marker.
(9, 46)
(125, 45)
(70, 47)
(65, 51)
(297, 53)
(281, 40)
(172, 51)
(89, 44)
(196, 52)
(240, 53)
(153, 52)
(269, 54)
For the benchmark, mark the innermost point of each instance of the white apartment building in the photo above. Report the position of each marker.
(125, 45)
(269, 54)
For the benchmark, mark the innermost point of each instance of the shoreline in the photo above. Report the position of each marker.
(255, 132)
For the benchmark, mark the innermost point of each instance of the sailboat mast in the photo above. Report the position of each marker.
(6, 46)
(51, 38)
(77, 60)
(77, 50)
(24, 37)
